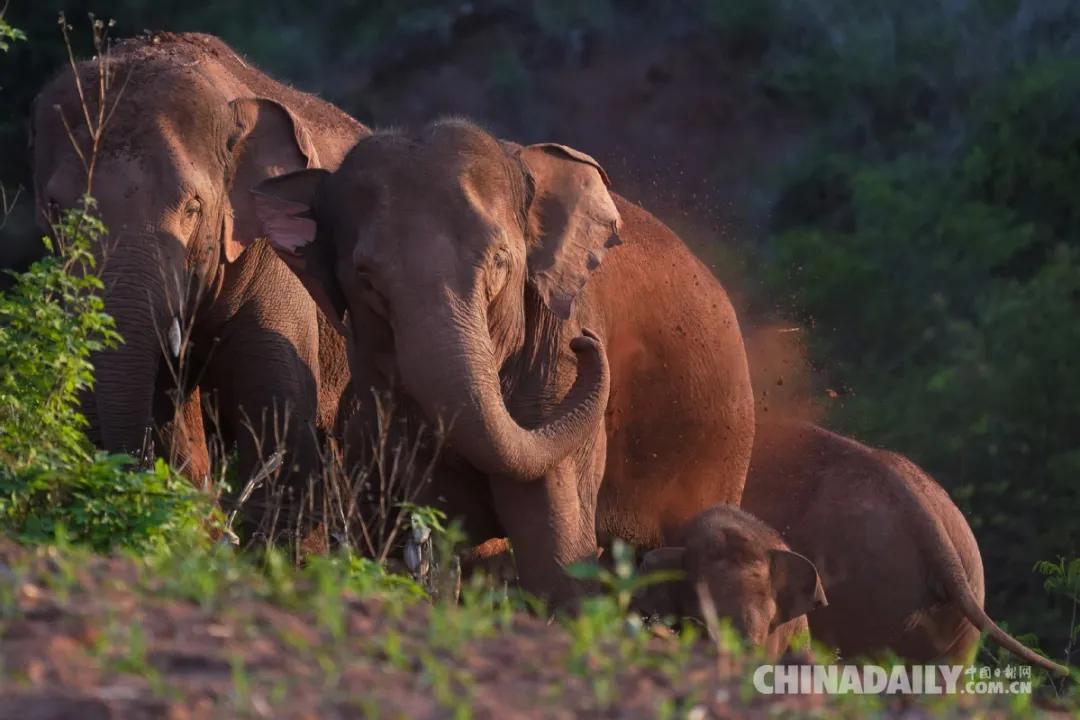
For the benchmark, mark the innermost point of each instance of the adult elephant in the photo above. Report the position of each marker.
(191, 127)
(471, 272)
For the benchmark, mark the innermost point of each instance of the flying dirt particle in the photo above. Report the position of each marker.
(780, 381)
(832, 393)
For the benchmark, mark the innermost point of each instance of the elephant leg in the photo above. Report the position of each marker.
(464, 495)
(183, 440)
(493, 558)
(265, 394)
(431, 475)
(551, 523)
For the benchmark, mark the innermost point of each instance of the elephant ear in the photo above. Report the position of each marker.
(572, 221)
(796, 586)
(267, 140)
(662, 570)
(284, 211)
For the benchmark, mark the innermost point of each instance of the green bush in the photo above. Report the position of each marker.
(9, 34)
(51, 322)
(1062, 579)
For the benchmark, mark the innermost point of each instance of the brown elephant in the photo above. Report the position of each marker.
(751, 576)
(897, 558)
(565, 335)
(194, 128)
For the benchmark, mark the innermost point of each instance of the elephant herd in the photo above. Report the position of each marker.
(588, 370)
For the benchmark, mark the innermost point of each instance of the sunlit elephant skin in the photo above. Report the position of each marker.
(566, 335)
(729, 558)
(898, 561)
(194, 128)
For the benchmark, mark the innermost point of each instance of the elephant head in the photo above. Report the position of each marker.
(182, 145)
(443, 253)
(751, 577)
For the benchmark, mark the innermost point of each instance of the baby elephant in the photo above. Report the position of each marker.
(747, 571)
(897, 557)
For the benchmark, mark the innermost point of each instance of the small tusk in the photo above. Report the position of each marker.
(229, 538)
(421, 534)
(175, 337)
(412, 556)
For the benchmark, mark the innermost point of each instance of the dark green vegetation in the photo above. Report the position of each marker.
(922, 223)
(51, 479)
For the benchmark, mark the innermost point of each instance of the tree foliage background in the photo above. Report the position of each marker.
(900, 176)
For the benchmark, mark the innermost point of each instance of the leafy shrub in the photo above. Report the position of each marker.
(1062, 579)
(51, 322)
(9, 34)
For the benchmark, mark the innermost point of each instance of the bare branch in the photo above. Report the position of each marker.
(7, 205)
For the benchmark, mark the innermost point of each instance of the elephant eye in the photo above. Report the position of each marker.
(193, 208)
(500, 269)
(500, 263)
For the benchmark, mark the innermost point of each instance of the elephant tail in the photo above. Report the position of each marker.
(946, 563)
(961, 593)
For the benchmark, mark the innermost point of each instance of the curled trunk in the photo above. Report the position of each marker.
(448, 366)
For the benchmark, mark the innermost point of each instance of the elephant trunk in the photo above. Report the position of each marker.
(449, 366)
(126, 375)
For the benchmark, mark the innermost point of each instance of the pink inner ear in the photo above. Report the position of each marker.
(283, 222)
